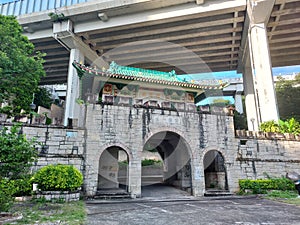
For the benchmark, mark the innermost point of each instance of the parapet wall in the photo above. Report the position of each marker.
(260, 154)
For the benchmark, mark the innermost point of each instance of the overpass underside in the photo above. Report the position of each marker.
(187, 36)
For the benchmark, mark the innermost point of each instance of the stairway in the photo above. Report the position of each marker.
(216, 193)
(112, 193)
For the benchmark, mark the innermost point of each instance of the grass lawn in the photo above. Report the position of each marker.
(45, 212)
(289, 197)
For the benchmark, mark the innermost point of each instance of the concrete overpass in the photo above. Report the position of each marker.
(249, 36)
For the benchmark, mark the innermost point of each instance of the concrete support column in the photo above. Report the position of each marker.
(72, 109)
(261, 61)
(250, 101)
(238, 102)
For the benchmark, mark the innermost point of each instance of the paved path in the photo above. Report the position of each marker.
(189, 210)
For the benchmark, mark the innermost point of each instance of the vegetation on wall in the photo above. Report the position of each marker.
(20, 67)
(291, 126)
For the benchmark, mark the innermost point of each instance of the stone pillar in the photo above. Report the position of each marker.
(250, 101)
(135, 174)
(72, 109)
(261, 61)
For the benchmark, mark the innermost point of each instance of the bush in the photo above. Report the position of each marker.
(7, 190)
(23, 186)
(58, 178)
(261, 186)
(291, 126)
(150, 162)
(17, 154)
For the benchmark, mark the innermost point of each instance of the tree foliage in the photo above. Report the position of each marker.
(20, 67)
(17, 154)
(43, 98)
(288, 98)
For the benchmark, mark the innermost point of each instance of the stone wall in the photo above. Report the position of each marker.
(258, 158)
(128, 128)
(56, 145)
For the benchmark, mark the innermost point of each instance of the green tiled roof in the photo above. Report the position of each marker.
(142, 75)
(138, 72)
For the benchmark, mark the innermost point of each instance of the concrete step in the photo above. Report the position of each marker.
(112, 193)
(214, 193)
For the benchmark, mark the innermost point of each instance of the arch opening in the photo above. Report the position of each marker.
(174, 164)
(113, 170)
(215, 171)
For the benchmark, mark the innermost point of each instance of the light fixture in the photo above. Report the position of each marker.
(103, 17)
(28, 29)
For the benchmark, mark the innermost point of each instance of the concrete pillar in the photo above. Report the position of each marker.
(238, 102)
(261, 61)
(250, 101)
(72, 109)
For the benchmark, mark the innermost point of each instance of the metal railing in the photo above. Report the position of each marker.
(21, 7)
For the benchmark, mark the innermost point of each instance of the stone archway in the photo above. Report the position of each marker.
(113, 169)
(215, 171)
(176, 161)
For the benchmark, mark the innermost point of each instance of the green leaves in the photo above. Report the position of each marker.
(261, 185)
(291, 126)
(17, 154)
(58, 178)
(21, 68)
(288, 97)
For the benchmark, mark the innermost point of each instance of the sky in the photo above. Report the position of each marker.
(5, 1)
(232, 74)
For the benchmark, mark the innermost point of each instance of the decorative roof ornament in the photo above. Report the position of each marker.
(144, 75)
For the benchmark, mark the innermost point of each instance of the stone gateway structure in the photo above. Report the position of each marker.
(125, 113)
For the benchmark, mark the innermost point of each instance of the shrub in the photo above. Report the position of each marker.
(150, 162)
(261, 186)
(269, 126)
(23, 186)
(58, 178)
(289, 126)
(7, 190)
(17, 154)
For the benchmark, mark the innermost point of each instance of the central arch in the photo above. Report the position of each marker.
(174, 163)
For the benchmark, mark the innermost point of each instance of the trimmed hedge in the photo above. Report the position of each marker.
(58, 178)
(262, 185)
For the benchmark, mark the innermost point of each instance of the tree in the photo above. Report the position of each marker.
(288, 98)
(43, 98)
(17, 154)
(20, 67)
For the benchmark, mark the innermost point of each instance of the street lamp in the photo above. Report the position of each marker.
(252, 121)
(32, 107)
